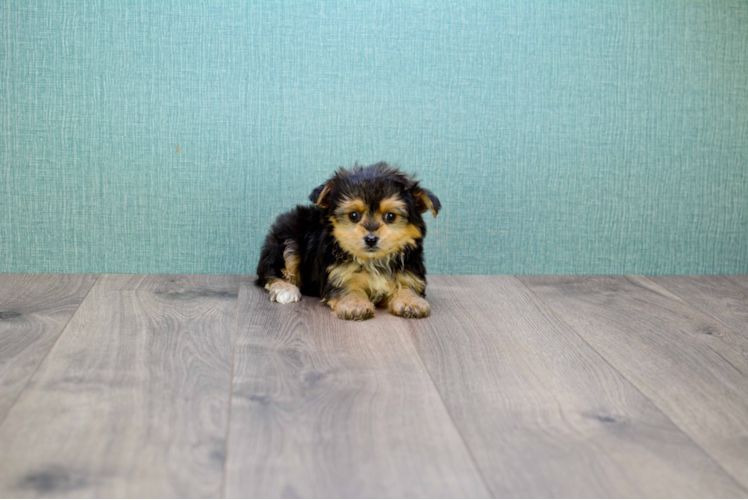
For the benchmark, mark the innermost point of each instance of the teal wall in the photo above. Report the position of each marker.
(561, 136)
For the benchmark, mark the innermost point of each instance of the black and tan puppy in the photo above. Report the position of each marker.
(360, 245)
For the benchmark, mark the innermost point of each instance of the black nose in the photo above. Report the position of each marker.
(370, 240)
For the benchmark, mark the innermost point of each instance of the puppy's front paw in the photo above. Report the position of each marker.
(283, 292)
(409, 306)
(353, 308)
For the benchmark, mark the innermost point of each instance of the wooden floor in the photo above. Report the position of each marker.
(516, 386)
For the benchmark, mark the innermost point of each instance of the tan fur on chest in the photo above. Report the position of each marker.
(376, 283)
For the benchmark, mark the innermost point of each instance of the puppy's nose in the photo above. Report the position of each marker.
(370, 240)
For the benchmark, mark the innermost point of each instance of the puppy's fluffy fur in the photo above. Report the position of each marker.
(360, 245)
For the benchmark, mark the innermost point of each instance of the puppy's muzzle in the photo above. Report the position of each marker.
(371, 241)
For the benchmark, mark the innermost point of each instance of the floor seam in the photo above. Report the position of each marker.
(449, 413)
(222, 491)
(637, 389)
(707, 313)
(46, 355)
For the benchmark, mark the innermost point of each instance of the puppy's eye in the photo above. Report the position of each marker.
(355, 216)
(389, 217)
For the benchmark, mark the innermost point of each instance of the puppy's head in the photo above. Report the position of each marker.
(375, 211)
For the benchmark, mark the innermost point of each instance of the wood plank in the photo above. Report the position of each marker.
(133, 399)
(694, 368)
(718, 296)
(34, 308)
(323, 407)
(543, 414)
(740, 279)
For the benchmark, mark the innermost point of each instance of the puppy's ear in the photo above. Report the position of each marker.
(320, 196)
(426, 200)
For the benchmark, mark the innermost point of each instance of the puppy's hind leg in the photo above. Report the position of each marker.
(286, 289)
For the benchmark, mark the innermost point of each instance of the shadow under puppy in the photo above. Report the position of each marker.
(360, 245)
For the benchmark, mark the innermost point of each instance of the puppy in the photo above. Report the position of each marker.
(360, 245)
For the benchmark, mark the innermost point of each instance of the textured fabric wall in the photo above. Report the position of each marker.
(561, 137)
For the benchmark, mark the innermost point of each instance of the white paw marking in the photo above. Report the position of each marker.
(285, 295)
